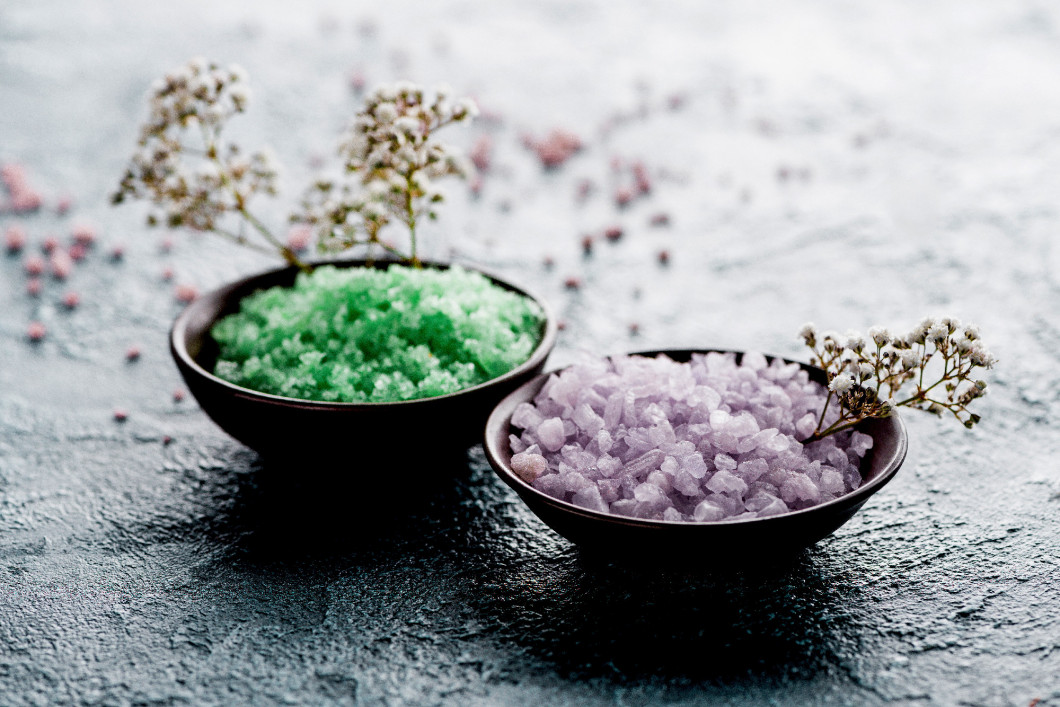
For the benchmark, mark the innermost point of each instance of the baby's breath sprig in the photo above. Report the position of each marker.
(199, 182)
(391, 160)
(866, 375)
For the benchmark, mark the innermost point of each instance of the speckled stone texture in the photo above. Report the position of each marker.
(850, 165)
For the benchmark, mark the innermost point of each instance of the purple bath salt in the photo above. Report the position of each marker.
(704, 441)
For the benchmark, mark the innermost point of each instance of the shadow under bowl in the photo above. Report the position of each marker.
(737, 541)
(346, 434)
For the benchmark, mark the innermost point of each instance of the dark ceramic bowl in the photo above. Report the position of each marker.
(772, 536)
(287, 427)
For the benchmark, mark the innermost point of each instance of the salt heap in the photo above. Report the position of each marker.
(371, 335)
(707, 440)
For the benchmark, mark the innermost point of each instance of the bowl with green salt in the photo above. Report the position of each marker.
(355, 357)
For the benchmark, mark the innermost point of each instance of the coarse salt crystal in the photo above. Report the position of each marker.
(550, 432)
(529, 466)
(726, 482)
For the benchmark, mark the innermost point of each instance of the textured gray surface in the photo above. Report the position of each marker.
(849, 166)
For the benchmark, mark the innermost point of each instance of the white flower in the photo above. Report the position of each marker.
(213, 114)
(386, 112)
(406, 126)
(981, 357)
(404, 88)
(208, 172)
(808, 333)
(938, 333)
(465, 108)
(910, 359)
(880, 335)
(198, 65)
(442, 92)
(240, 97)
(855, 341)
(841, 384)
(384, 93)
(237, 73)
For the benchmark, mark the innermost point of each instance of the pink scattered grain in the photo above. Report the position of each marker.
(299, 237)
(64, 204)
(34, 265)
(482, 153)
(167, 274)
(357, 80)
(660, 219)
(664, 257)
(117, 253)
(166, 244)
(179, 395)
(623, 196)
(572, 283)
(71, 300)
(34, 287)
(120, 415)
(26, 200)
(36, 331)
(12, 174)
(614, 233)
(186, 293)
(558, 147)
(15, 239)
(84, 234)
(641, 179)
(77, 252)
(61, 265)
(50, 244)
(132, 353)
(587, 245)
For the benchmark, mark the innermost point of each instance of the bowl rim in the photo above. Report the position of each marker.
(501, 417)
(178, 336)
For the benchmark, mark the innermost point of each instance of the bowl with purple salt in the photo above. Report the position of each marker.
(657, 450)
(355, 360)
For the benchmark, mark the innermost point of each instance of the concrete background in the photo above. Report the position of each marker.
(815, 161)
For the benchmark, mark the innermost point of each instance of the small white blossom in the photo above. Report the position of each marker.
(841, 384)
(808, 333)
(880, 335)
(938, 333)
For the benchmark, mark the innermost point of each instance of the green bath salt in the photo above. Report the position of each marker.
(371, 335)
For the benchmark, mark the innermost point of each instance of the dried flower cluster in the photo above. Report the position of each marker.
(195, 179)
(866, 376)
(199, 186)
(391, 162)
